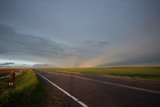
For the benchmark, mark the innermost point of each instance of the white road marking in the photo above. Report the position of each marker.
(53, 73)
(115, 84)
(74, 98)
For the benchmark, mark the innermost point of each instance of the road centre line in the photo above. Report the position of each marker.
(68, 94)
(110, 83)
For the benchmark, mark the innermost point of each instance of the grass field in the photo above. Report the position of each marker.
(152, 73)
(25, 93)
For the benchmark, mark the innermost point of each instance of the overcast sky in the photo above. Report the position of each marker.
(80, 33)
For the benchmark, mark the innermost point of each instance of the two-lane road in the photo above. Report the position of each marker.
(95, 92)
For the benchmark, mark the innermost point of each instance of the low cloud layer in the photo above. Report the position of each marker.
(20, 46)
(144, 60)
(12, 41)
(14, 45)
(6, 63)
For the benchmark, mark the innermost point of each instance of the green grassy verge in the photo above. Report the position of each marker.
(25, 92)
(152, 73)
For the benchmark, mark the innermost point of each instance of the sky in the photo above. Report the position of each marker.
(79, 33)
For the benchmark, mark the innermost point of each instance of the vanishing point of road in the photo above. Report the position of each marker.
(104, 91)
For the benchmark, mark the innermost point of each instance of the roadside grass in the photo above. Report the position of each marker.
(151, 73)
(25, 92)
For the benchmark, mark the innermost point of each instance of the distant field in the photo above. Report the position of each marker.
(25, 92)
(6, 71)
(152, 73)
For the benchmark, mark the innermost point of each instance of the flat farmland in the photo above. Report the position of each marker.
(4, 72)
(151, 73)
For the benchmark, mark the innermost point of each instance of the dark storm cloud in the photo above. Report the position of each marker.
(97, 44)
(102, 43)
(139, 60)
(17, 45)
(6, 63)
(89, 47)
(12, 42)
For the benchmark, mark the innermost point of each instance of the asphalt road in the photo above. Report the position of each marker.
(97, 91)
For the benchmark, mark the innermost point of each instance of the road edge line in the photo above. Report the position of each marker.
(68, 94)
